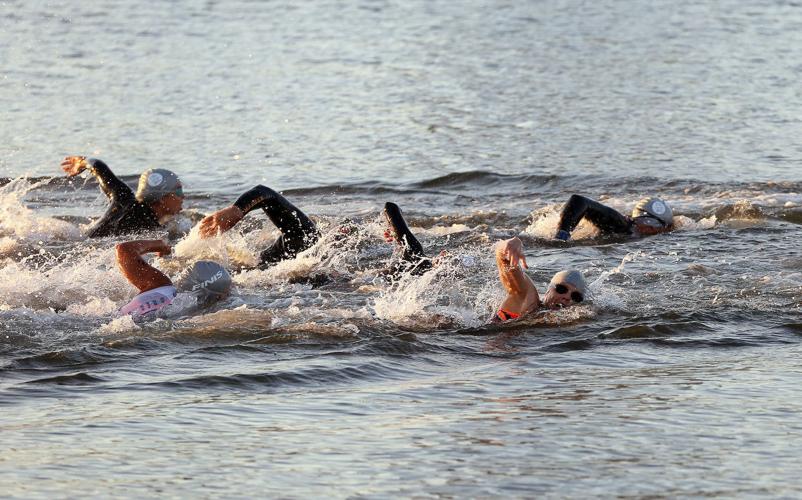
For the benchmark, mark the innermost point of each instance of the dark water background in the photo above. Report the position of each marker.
(479, 119)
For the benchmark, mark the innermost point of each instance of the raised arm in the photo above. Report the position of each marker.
(112, 187)
(138, 272)
(522, 295)
(292, 222)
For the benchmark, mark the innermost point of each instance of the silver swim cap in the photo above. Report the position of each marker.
(656, 208)
(573, 278)
(208, 279)
(155, 183)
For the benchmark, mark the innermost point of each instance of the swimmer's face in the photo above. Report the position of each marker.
(562, 295)
(172, 203)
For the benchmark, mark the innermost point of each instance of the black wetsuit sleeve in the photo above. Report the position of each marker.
(112, 187)
(298, 232)
(603, 217)
(414, 259)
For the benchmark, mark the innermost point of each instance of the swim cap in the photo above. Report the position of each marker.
(156, 183)
(573, 278)
(654, 207)
(209, 279)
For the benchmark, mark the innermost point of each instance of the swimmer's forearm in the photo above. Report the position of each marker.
(253, 198)
(140, 247)
(512, 277)
(111, 186)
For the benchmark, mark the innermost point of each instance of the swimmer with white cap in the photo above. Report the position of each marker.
(650, 216)
(567, 288)
(158, 197)
(207, 281)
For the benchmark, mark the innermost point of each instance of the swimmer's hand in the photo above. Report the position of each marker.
(220, 221)
(512, 252)
(161, 248)
(73, 165)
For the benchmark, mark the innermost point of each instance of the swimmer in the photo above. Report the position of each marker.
(298, 232)
(566, 288)
(159, 197)
(413, 258)
(208, 281)
(650, 216)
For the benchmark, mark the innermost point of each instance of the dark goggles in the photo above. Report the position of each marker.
(575, 296)
(645, 214)
(179, 191)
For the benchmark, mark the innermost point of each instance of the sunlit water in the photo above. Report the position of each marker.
(479, 119)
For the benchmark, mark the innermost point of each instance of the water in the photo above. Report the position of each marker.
(479, 119)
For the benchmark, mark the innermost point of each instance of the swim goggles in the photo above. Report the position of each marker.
(562, 290)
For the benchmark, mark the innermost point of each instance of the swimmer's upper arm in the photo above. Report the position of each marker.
(138, 272)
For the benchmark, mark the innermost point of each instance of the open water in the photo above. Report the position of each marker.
(479, 118)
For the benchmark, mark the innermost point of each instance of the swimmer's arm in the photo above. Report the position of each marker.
(226, 218)
(112, 187)
(138, 272)
(522, 295)
(254, 198)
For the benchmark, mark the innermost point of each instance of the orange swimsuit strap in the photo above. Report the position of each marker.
(505, 315)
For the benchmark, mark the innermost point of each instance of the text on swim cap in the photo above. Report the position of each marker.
(209, 281)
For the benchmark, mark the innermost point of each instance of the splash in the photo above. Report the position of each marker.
(21, 226)
(78, 279)
(545, 221)
(461, 290)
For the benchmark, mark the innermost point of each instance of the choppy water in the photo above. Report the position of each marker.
(478, 119)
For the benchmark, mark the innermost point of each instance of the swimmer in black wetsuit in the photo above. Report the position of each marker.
(298, 232)
(413, 258)
(650, 216)
(159, 196)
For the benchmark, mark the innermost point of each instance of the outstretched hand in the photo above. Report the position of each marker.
(73, 165)
(220, 221)
(512, 250)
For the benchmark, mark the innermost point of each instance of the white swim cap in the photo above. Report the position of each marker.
(573, 278)
(155, 183)
(208, 279)
(656, 208)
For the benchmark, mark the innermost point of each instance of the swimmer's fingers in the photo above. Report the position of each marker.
(208, 227)
(73, 165)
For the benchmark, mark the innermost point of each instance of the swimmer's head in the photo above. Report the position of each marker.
(160, 185)
(565, 289)
(208, 280)
(654, 208)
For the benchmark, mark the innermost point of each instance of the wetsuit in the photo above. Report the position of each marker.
(413, 260)
(126, 214)
(297, 232)
(602, 216)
